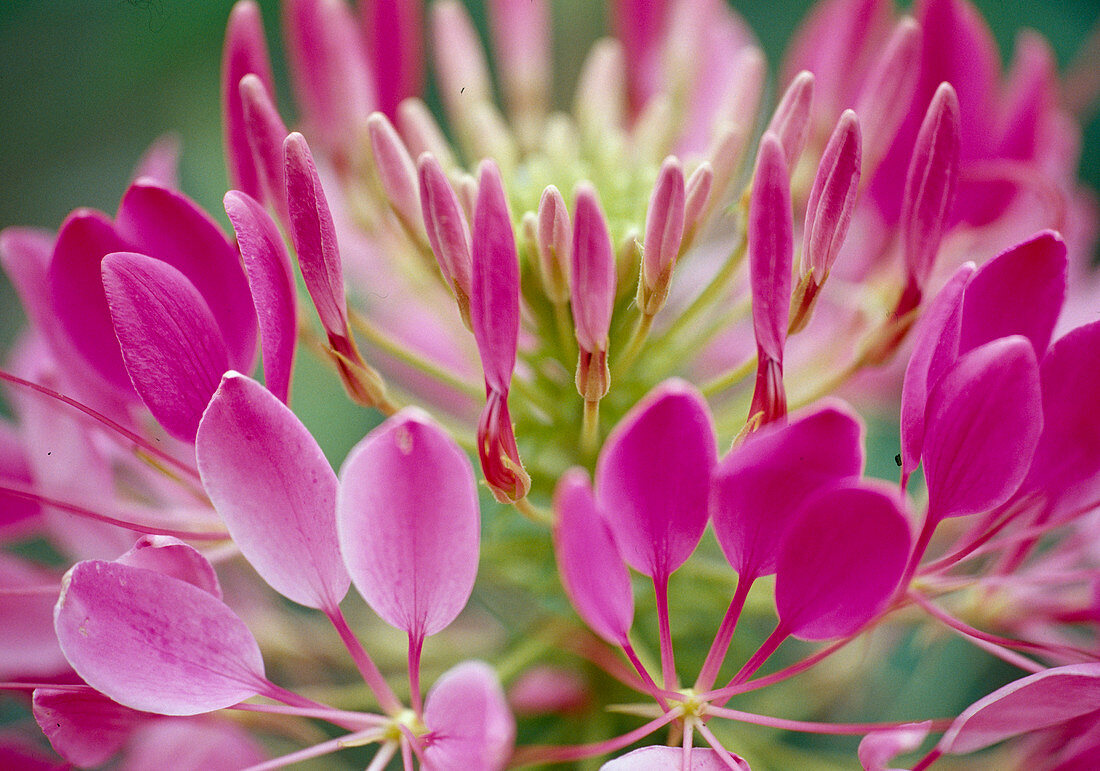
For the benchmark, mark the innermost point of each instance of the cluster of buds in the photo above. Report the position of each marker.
(616, 327)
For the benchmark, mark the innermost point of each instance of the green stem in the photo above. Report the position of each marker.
(729, 378)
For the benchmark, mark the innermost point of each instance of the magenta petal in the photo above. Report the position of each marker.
(409, 524)
(593, 272)
(494, 300)
(1029, 704)
(930, 184)
(245, 52)
(84, 727)
(759, 487)
(275, 491)
(265, 132)
(394, 31)
(671, 759)
(448, 232)
(841, 560)
(271, 279)
(78, 304)
(591, 568)
(935, 351)
(160, 162)
(165, 224)
(314, 236)
(173, 350)
(154, 643)
(469, 721)
(832, 198)
(982, 424)
(173, 558)
(878, 749)
(1019, 292)
(653, 478)
(771, 248)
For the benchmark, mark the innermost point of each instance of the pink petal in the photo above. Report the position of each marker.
(761, 485)
(175, 743)
(25, 256)
(393, 34)
(175, 559)
(154, 643)
(832, 198)
(841, 560)
(878, 749)
(887, 94)
(589, 563)
(935, 351)
(521, 44)
(422, 133)
(160, 162)
(271, 279)
(653, 478)
(771, 248)
(664, 227)
(84, 727)
(28, 644)
(930, 184)
(448, 233)
(460, 67)
(671, 759)
(330, 70)
(1069, 447)
(497, 451)
(494, 300)
(1019, 292)
(314, 236)
(791, 121)
(170, 341)
(697, 195)
(396, 172)
(275, 491)
(245, 52)
(78, 304)
(265, 132)
(982, 424)
(408, 522)
(469, 721)
(1029, 704)
(593, 273)
(547, 690)
(18, 516)
(555, 244)
(165, 224)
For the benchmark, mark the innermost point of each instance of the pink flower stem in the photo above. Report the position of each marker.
(416, 645)
(22, 491)
(367, 668)
(762, 654)
(919, 549)
(382, 757)
(832, 729)
(542, 754)
(317, 750)
(668, 661)
(331, 715)
(928, 759)
(138, 440)
(721, 644)
(650, 686)
(406, 755)
(278, 693)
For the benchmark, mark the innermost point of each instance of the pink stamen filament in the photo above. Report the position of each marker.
(716, 745)
(775, 639)
(138, 440)
(802, 726)
(783, 674)
(382, 757)
(367, 668)
(331, 715)
(317, 750)
(668, 661)
(26, 493)
(538, 754)
(928, 759)
(650, 687)
(722, 639)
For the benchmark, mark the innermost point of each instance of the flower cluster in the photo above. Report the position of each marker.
(603, 308)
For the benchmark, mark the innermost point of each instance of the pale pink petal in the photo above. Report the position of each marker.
(165, 224)
(393, 34)
(554, 239)
(653, 478)
(640, 26)
(544, 690)
(878, 749)
(672, 759)
(160, 162)
(935, 351)
(28, 644)
(265, 132)
(761, 485)
(169, 744)
(982, 424)
(521, 44)
(18, 516)
(460, 66)
(448, 232)
(154, 643)
(1029, 704)
(275, 491)
(832, 198)
(245, 52)
(494, 299)
(271, 279)
(469, 723)
(173, 349)
(422, 133)
(664, 227)
(409, 524)
(396, 172)
(887, 94)
(589, 563)
(593, 273)
(841, 560)
(173, 558)
(1019, 292)
(84, 727)
(791, 121)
